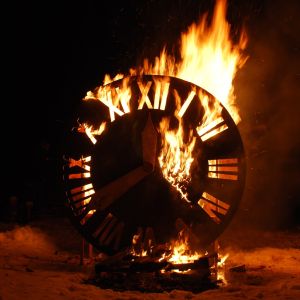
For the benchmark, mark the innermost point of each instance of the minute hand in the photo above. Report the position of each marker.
(106, 195)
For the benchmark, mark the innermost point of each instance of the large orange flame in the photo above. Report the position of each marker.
(209, 58)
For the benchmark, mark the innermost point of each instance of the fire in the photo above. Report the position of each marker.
(90, 132)
(208, 59)
(180, 251)
(176, 157)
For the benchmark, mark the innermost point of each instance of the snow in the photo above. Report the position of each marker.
(41, 260)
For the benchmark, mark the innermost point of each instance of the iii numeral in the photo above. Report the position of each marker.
(223, 168)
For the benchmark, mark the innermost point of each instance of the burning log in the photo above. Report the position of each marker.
(146, 264)
(129, 272)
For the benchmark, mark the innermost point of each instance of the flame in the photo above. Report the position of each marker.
(90, 132)
(112, 98)
(180, 252)
(176, 157)
(209, 59)
(221, 268)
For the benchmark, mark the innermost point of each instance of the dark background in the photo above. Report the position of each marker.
(58, 50)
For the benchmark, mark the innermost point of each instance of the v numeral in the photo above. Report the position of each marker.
(212, 205)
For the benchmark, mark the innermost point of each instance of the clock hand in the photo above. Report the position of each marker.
(106, 195)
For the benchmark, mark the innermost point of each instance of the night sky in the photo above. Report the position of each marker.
(62, 49)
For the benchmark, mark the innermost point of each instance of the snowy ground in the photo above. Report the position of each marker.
(41, 261)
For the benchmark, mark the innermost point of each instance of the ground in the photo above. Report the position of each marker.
(41, 260)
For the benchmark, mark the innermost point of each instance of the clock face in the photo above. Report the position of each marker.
(152, 155)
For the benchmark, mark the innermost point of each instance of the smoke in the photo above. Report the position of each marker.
(268, 96)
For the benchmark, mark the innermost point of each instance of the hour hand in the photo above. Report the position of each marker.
(105, 196)
(149, 143)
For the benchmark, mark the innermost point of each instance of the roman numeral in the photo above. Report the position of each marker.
(80, 199)
(186, 103)
(82, 192)
(108, 101)
(81, 163)
(109, 231)
(144, 98)
(212, 205)
(124, 96)
(223, 168)
(161, 94)
(213, 128)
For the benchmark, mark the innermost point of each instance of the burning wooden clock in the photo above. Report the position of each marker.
(148, 157)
